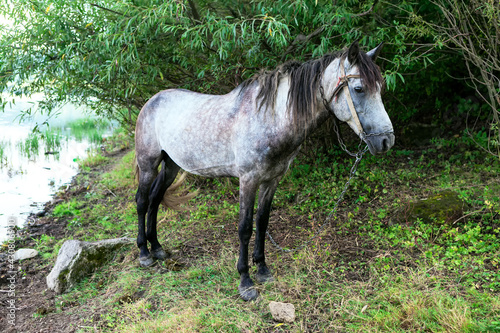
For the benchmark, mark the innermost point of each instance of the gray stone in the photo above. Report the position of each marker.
(282, 312)
(441, 208)
(76, 259)
(23, 254)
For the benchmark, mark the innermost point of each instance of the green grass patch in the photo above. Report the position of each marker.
(92, 160)
(69, 208)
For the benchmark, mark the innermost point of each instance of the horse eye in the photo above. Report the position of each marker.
(358, 90)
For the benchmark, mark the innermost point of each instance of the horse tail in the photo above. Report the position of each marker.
(136, 168)
(171, 198)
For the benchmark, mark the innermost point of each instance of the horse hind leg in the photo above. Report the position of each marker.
(160, 185)
(147, 173)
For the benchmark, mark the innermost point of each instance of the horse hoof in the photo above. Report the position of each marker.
(248, 293)
(264, 274)
(146, 261)
(159, 254)
(265, 277)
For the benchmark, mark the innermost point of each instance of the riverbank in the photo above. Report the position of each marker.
(375, 267)
(45, 231)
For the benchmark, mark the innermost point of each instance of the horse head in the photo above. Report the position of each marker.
(355, 97)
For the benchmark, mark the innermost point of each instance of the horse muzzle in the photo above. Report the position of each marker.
(379, 143)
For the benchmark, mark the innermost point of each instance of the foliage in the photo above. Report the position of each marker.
(114, 55)
(472, 28)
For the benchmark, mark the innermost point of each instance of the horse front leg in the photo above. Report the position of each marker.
(248, 191)
(266, 194)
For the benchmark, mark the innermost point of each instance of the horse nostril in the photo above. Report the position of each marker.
(386, 144)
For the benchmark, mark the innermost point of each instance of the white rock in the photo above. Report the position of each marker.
(76, 259)
(22, 254)
(282, 312)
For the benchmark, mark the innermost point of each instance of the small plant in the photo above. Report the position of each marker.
(69, 208)
(45, 246)
(92, 160)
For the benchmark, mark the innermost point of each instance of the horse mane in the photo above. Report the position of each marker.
(305, 78)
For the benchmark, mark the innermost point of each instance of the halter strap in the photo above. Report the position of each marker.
(349, 98)
(343, 82)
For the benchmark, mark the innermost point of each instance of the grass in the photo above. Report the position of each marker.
(370, 271)
(52, 140)
(49, 139)
(93, 159)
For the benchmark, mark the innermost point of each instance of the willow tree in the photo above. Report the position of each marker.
(114, 55)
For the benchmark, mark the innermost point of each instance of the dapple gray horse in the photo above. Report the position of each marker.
(253, 133)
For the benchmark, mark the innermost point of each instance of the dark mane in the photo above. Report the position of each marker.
(304, 83)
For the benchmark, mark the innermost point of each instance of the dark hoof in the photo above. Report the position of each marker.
(146, 261)
(248, 293)
(263, 274)
(159, 254)
(263, 278)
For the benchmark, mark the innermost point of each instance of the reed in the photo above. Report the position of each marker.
(29, 147)
(89, 129)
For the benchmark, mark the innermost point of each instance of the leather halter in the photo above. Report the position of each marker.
(342, 83)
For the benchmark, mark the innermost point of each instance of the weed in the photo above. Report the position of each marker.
(3, 157)
(52, 140)
(44, 246)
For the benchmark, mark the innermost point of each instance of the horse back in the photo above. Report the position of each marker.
(213, 135)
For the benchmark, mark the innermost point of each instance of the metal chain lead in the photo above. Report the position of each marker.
(358, 155)
(354, 167)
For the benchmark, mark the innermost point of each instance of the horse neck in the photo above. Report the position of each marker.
(300, 131)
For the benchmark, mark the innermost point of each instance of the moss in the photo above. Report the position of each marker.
(443, 207)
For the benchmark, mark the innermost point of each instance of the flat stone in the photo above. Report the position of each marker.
(282, 312)
(23, 254)
(77, 259)
(441, 208)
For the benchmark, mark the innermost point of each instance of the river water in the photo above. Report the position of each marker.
(30, 178)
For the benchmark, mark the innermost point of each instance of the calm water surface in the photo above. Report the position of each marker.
(28, 180)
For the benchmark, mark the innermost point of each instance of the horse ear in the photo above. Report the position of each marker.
(375, 52)
(353, 52)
